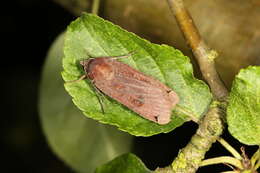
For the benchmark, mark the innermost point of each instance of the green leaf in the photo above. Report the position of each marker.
(92, 36)
(243, 112)
(81, 142)
(127, 163)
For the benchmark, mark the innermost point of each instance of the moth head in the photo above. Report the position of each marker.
(85, 63)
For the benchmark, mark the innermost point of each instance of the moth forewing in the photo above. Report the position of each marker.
(143, 94)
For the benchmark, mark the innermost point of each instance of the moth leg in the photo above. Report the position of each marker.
(77, 80)
(99, 95)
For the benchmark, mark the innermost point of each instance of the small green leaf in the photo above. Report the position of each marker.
(92, 36)
(127, 163)
(81, 142)
(243, 112)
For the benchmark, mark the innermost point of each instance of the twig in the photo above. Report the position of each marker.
(190, 157)
(203, 54)
(211, 126)
(95, 6)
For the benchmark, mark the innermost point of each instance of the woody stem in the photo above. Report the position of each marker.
(211, 126)
(203, 54)
(95, 6)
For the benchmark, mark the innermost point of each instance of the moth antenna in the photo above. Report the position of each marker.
(124, 56)
(77, 80)
(99, 94)
(101, 104)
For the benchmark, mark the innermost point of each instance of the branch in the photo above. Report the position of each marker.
(203, 54)
(210, 128)
(212, 125)
(95, 6)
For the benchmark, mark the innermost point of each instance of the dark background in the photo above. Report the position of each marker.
(28, 27)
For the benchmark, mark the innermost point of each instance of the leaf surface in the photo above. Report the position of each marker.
(243, 112)
(92, 36)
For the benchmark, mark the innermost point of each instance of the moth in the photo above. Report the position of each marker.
(141, 93)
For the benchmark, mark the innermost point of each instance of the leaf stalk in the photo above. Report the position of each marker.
(223, 159)
(230, 148)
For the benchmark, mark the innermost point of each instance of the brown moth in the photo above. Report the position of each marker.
(141, 93)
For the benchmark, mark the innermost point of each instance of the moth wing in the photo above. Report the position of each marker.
(151, 102)
(144, 95)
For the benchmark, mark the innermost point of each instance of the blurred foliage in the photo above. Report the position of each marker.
(230, 27)
(80, 142)
(126, 163)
